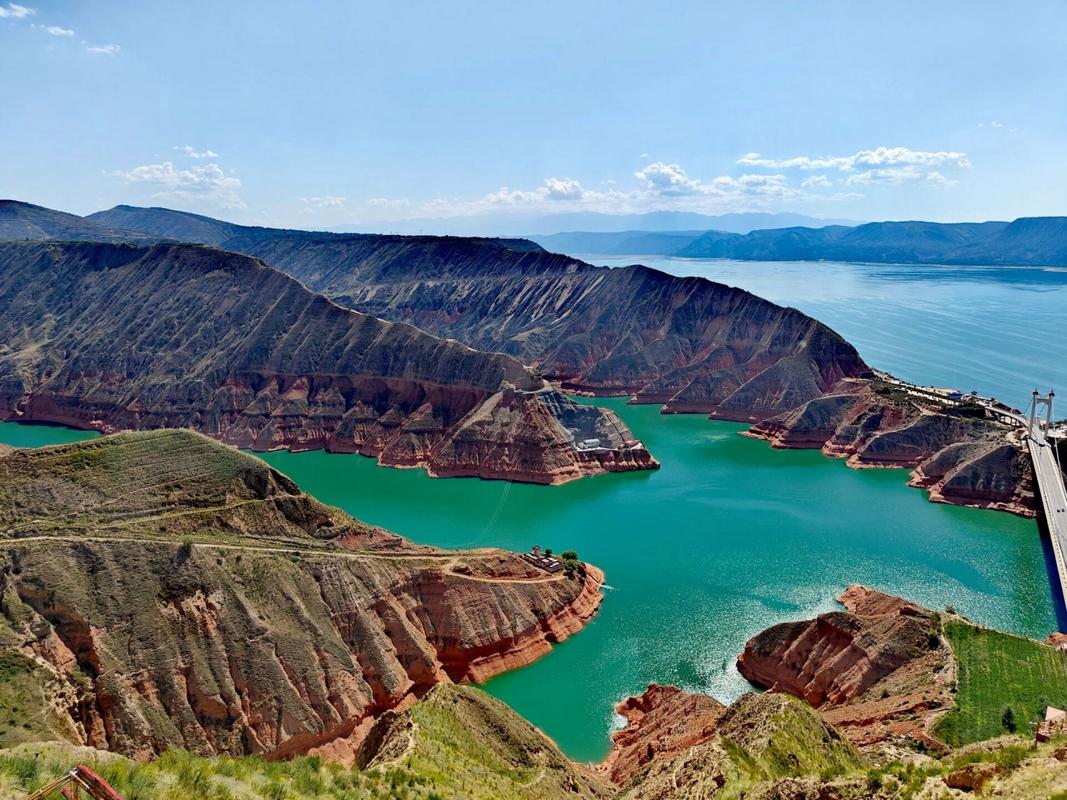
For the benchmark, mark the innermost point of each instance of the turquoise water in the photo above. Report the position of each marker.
(730, 536)
(16, 435)
(726, 539)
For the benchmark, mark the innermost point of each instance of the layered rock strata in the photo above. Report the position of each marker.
(959, 452)
(876, 670)
(756, 742)
(115, 337)
(660, 723)
(178, 593)
(687, 343)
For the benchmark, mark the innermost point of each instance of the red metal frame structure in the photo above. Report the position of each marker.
(78, 780)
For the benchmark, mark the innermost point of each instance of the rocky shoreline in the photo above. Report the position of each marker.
(480, 663)
(830, 663)
(267, 364)
(871, 681)
(957, 452)
(262, 621)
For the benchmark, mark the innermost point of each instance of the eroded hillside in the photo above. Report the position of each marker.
(864, 733)
(160, 590)
(687, 343)
(118, 337)
(959, 452)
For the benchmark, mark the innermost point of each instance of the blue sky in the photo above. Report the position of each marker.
(325, 114)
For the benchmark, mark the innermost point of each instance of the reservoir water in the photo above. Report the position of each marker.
(730, 536)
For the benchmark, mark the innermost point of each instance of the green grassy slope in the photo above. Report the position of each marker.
(468, 744)
(166, 485)
(761, 739)
(997, 671)
(26, 710)
(178, 775)
(458, 743)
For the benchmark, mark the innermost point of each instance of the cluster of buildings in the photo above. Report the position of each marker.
(544, 560)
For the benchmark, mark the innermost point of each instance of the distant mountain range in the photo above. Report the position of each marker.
(622, 243)
(544, 225)
(1036, 241)
(1028, 241)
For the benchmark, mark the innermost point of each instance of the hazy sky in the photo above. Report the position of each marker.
(321, 114)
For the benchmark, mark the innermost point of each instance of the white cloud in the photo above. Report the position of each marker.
(192, 152)
(661, 186)
(878, 157)
(671, 181)
(388, 202)
(765, 186)
(102, 49)
(314, 204)
(668, 180)
(882, 165)
(895, 176)
(995, 124)
(15, 11)
(564, 189)
(203, 183)
(55, 30)
(797, 162)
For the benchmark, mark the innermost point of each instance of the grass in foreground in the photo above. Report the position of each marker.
(447, 760)
(178, 775)
(457, 743)
(998, 672)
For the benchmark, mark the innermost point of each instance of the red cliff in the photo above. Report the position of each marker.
(178, 593)
(220, 343)
(877, 669)
(661, 722)
(959, 453)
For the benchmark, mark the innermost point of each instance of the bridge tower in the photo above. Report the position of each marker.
(1037, 403)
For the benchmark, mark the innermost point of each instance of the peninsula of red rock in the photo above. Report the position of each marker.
(117, 337)
(293, 625)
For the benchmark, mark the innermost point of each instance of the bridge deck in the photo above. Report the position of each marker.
(1053, 500)
(1047, 474)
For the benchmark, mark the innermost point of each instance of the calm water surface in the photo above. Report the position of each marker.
(730, 536)
(727, 538)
